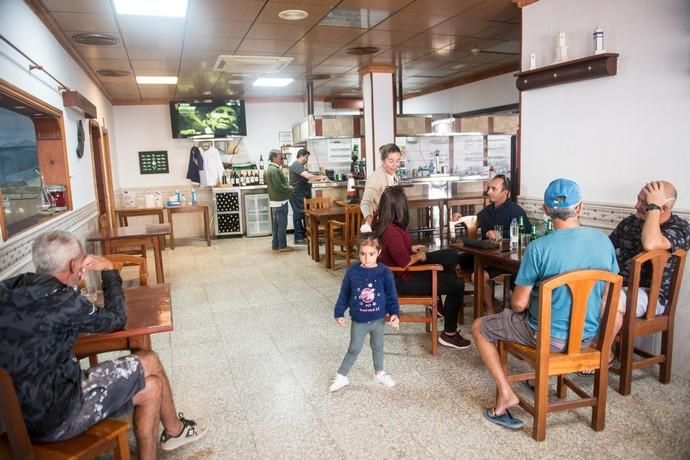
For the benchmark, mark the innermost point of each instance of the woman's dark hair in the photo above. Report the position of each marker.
(392, 210)
(385, 149)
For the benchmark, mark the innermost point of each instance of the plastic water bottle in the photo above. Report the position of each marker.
(514, 235)
(193, 196)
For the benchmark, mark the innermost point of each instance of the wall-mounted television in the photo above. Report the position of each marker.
(216, 118)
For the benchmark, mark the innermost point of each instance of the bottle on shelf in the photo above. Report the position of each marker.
(224, 179)
(514, 235)
(261, 162)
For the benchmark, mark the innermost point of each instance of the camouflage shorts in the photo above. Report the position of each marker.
(106, 391)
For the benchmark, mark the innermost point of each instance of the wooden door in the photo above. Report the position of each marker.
(102, 169)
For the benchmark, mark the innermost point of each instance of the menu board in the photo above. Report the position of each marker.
(154, 162)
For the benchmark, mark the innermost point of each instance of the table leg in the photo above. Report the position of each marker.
(440, 220)
(207, 228)
(172, 232)
(314, 224)
(158, 258)
(478, 285)
(328, 243)
(142, 342)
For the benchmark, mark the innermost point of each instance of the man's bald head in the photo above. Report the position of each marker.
(670, 193)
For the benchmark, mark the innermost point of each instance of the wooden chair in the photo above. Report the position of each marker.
(132, 247)
(108, 435)
(315, 203)
(124, 260)
(344, 235)
(574, 358)
(430, 302)
(650, 323)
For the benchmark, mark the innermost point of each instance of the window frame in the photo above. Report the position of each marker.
(51, 149)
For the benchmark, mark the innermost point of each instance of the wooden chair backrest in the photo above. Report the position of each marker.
(353, 220)
(421, 299)
(657, 261)
(125, 260)
(580, 283)
(318, 202)
(13, 420)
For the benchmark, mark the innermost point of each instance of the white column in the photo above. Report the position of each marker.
(379, 112)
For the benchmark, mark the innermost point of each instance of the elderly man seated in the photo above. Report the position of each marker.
(653, 226)
(41, 317)
(569, 247)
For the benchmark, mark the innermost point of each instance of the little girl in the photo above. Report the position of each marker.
(369, 291)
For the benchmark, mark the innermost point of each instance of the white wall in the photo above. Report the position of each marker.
(21, 27)
(147, 127)
(615, 133)
(634, 124)
(491, 92)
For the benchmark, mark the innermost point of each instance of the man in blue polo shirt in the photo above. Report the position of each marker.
(569, 247)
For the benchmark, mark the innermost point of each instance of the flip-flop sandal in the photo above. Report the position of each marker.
(505, 420)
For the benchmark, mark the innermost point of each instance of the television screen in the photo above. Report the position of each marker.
(217, 118)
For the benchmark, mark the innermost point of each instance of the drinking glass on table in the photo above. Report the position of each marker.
(498, 234)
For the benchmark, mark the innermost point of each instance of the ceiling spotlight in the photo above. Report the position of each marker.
(293, 15)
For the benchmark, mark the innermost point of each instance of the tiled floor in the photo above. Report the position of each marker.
(255, 346)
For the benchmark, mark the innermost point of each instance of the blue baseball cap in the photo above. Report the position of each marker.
(562, 193)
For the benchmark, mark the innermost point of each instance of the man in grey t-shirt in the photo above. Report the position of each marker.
(301, 189)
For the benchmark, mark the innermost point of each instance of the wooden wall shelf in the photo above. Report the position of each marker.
(599, 65)
(78, 102)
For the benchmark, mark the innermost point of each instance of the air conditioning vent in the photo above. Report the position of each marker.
(95, 39)
(251, 64)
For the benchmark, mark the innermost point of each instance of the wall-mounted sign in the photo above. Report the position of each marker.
(155, 162)
(284, 137)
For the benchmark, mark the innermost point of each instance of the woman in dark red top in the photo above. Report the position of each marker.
(390, 225)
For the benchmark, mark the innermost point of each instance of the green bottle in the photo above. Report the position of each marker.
(521, 225)
(533, 236)
(549, 227)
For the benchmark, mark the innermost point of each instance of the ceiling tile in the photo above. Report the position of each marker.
(157, 91)
(306, 47)
(101, 23)
(330, 34)
(146, 67)
(78, 6)
(410, 22)
(497, 10)
(142, 32)
(113, 64)
(430, 41)
(383, 38)
(306, 59)
(277, 31)
(102, 52)
(263, 47)
(218, 45)
(462, 26)
(236, 10)
(330, 69)
(216, 28)
(441, 7)
(501, 31)
(154, 53)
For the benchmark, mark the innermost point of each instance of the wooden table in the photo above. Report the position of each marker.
(124, 213)
(322, 215)
(152, 232)
(204, 208)
(507, 261)
(149, 311)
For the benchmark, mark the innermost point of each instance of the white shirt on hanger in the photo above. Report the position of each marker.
(212, 173)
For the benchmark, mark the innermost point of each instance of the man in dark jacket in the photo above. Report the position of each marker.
(41, 317)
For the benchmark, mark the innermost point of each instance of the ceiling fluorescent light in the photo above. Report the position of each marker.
(157, 80)
(275, 82)
(170, 8)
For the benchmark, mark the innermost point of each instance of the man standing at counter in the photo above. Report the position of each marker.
(301, 189)
(278, 195)
(383, 177)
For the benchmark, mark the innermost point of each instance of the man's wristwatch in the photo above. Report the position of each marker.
(652, 207)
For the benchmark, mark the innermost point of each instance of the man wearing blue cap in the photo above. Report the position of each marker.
(569, 247)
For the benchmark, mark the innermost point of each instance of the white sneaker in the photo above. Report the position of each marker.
(384, 379)
(338, 382)
(191, 431)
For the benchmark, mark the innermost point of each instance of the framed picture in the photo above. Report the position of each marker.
(153, 162)
(284, 138)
